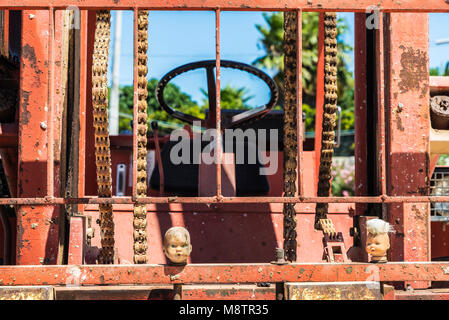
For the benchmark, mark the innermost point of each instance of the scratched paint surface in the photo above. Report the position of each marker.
(408, 131)
(37, 231)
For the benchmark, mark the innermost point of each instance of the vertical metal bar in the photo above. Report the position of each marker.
(90, 171)
(300, 132)
(407, 105)
(218, 109)
(5, 41)
(360, 115)
(82, 40)
(135, 109)
(50, 127)
(319, 100)
(380, 63)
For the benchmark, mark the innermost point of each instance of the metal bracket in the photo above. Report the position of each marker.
(334, 245)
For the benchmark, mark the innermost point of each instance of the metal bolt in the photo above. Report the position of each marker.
(43, 125)
(400, 107)
(280, 256)
(31, 16)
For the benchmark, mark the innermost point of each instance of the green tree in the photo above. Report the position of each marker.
(437, 72)
(174, 97)
(230, 98)
(272, 43)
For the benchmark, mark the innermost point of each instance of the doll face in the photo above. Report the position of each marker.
(378, 245)
(177, 249)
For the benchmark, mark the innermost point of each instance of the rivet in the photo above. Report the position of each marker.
(31, 16)
(43, 125)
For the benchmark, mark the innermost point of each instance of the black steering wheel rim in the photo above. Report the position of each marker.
(209, 65)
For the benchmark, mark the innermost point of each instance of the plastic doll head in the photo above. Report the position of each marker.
(177, 247)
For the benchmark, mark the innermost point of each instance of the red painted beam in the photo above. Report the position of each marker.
(407, 149)
(258, 5)
(439, 84)
(319, 100)
(37, 227)
(221, 273)
(360, 98)
(221, 200)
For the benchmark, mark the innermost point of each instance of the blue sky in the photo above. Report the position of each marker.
(179, 37)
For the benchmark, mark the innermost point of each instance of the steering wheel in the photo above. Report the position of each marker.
(209, 65)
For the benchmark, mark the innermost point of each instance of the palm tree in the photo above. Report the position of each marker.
(272, 43)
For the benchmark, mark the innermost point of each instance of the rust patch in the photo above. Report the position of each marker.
(420, 215)
(414, 75)
(25, 116)
(29, 54)
(399, 125)
(27, 293)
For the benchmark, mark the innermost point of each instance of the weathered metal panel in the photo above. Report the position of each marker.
(37, 226)
(368, 290)
(407, 109)
(431, 294)
(27, 293)
(228, 292)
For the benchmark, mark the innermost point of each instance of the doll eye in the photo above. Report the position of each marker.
(172, 245)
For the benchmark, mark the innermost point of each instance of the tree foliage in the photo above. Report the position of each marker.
(231, 98)
(438, 72)
(272, 43)
(174, 98)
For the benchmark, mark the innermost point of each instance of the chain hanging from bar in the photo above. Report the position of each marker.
(140, 211)
(329, 115)
(100, 121)
(290, 132)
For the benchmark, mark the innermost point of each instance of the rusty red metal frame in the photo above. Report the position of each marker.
(222, 273)
(241, 5)
(220, 199)
(215, 273)
(50, 107)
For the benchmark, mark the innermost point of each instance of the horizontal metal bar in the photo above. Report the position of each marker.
(215, 199)
(255, 5)
(221, 273)
(439, 219)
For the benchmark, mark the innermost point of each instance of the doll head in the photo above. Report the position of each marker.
(378, 241)
(177, 247)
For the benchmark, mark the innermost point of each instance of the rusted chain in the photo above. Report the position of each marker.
(140, 211)
(329, 114)
(290, 132)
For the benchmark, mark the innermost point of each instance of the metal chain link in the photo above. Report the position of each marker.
(140, 211)
(100, 121)
(329, 114)
(290, 132)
